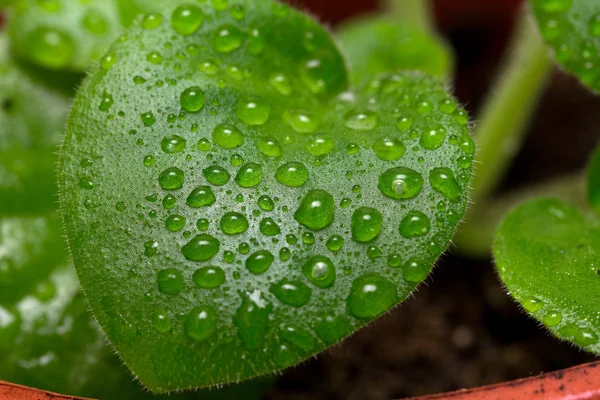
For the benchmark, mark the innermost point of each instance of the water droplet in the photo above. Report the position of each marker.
(366, 224)
(50, 47)
(335, 243)
(467, 145)
(285, 254)
(443, 181)
(259, 262)
(256, 42)
(552, 318)
(209, 277)
(173, 144)
(249, 175)
(148, 119)
(154, 57)
(170, 281)
(227, 38)
(320, 271)
(227, 136)
(186, 19)
(268, 227)
(292, 293)
(316, 210)
(171, 179)
(319, 145)
(237, 11)
(301, 121)
(202, 247)
(308, 238)
(331, 329)
(533, 304)
(414, 270)
(201, 196)
(316, 72)
(192, 99)
(150, 248)
(389, 149)
(252, 319)
(161, 322)
(203, 145)
(370, 296)
(298, 337)
(581, 335)
(253, 110)
(233, 223)
(281, 83)
(200, 324)
(352, 148)
(394, 261)
(293, 174)
(152, 21)
(414, 224)
(86, 183)
(175, 222)
(424, 107)
(216, 175)
(553, 6)
(433, 138)
(266, 203)
(106, 102)
(403, 123)
(269, 147)
(202, 224)
(362, 120)
(400, 183)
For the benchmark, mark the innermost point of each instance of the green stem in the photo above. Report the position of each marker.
(476, 235)
(508, 110)
(416, 13)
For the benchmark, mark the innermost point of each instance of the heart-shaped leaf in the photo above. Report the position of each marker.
(70, 34)
(548, 255)
(572, 29)
(377, 45)
(233, 209)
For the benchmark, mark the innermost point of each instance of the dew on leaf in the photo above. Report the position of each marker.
(171, 179)
(150, 248)
(192, 99)
(293, 174)
(414, 270)
(335, 243)
(370, 296)
(202, 247)
(444, 181)
(249, 175)
(552, 318)
(201, 196)
(227, 136)
(148, 119)
(266, 203)
(154, 57)
(362, 120)
(292, 293)
(366, 224)
(319, 145)
(216, 175)
(433, 138)
(268, 227)
(152, 21)
(252, 319)
(400, 183)
(301, 121)
(170, 281)
(281, 83)
(394, 261)
(331, 329)
(209, 277)
(298, 337)
(259, 262)
(389, 149)
(186, 19)
(414, 224)
(173, 144)
(233, 223)
(269, 147)
(227, 38)
(200, 324)
(161, 322)
(175, 222)
(316, 210)
(320, 271)
(253, 110)
(532, 304)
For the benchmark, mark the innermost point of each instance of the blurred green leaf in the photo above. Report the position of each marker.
(593, 180)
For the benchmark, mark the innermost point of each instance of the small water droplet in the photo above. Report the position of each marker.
(433, 138)
(266, 203)
(533, 304)
(414, 270)
(161, 322)
(173, 144)
(152, 21)
(170, 281)
(268, 227)
(209, 277)
(552, 318)
(175, 222)
(370, 296)
(227, 136)
(192, 99)
(335, 243)
(389, 149)
(281, 83)
(148, 119)
(252, 319)
(50, 47)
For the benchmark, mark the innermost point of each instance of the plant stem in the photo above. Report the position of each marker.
(416, 13)
(476, 235)
(508, 109)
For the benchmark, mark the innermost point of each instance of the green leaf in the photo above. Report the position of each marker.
(238, 188)
(547, 252)
(572, 29)
(377, 45)
(593, 180)
(70, 34)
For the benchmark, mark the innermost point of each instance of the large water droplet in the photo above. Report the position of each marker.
(201, 196)
(302, 121)
(268, 227)
(216, 175)
(253, 110)
(414, 270)
(415, 224)
(192, 99)
(366, 224)
(433, 138)
(227, 136)
(319, 145)
(293, 174)
(444, 181)
(170, 281)
(320, 271)
(269, 147)
(370, 296)
(175, 222)
(173, 144)
(209, 277)
(249, 175)
(292, 293)
(233, 223)
(227, 38)
(316, 210)
(259, 262)
(362, 120)
(400, 183)
(389, 149)
(202, 247)
(252, 319)
(171, 179)
(186, 19)
(200, 323)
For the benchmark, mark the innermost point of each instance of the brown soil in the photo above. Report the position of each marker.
(461, 329)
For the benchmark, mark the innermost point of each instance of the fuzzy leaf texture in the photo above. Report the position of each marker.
(377, 45)
(70, 34)
(547, 252)
(572, 29)
(48, 338)
(233, 208)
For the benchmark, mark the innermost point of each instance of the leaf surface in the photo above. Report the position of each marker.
(233, 208)
(548, 255)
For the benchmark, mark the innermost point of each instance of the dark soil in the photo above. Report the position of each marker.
(461, 329)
